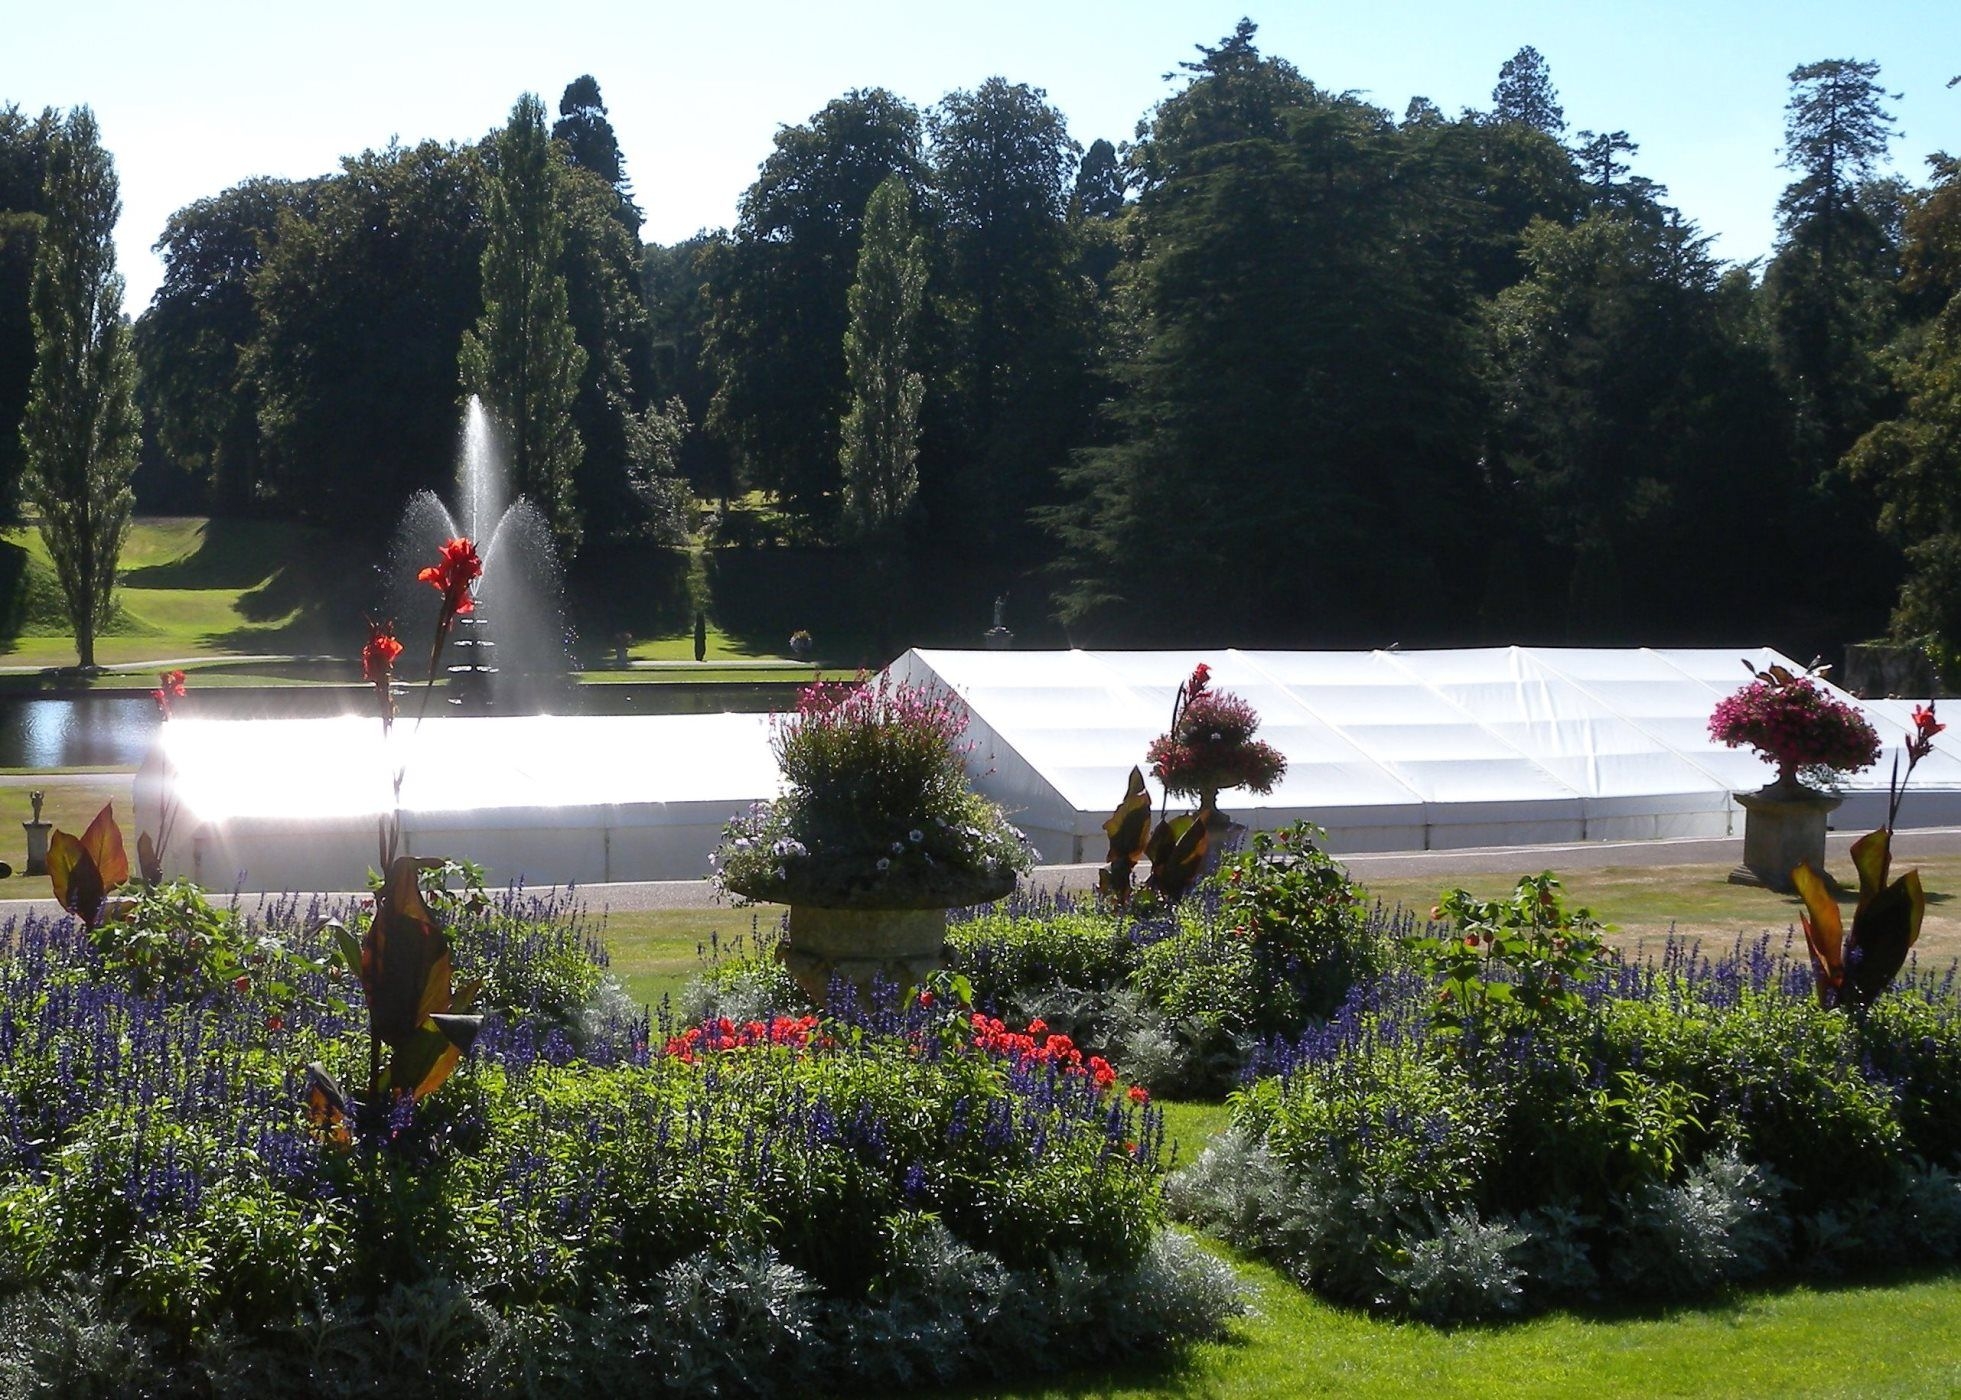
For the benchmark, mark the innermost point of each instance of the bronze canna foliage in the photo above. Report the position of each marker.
(1853, 967)
(414, 1012)
(84, 869)
(1175, 847)
(1129, 830)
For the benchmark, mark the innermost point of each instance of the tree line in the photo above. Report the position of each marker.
(1284, 368)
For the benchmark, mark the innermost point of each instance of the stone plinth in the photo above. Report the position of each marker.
(862, 945)
(1784, 827)
(37, 843)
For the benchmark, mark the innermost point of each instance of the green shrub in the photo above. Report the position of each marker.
(1912, 1040)
(717, 1203)
(169, 939)
(1670, 1129)
(1308, 924)
(1005, 953)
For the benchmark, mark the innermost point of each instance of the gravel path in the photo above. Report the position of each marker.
(695, 894)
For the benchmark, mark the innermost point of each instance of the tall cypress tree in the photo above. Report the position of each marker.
(80, 431)
(881, 428)
(522, 359)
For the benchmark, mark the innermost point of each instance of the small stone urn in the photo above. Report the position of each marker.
(1784, 827)
(37, 837)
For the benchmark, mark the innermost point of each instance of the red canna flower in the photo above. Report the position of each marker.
(452, 575)
(1921, 742)
(170, 689)
(378, 656)
(1138, 1094)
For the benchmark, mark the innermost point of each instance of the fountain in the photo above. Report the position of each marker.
(509, 654)
(498, 777)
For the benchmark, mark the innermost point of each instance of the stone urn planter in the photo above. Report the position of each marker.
(1783, 827)
(877, 834)
(869, 937)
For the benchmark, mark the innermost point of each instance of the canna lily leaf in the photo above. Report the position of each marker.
(1127, 829)
(326, 1105)
(82, 870)
(104, 843)
(1854, 966)
(1872, 857)
(1824, 932)
(404, 956)
(1129, 825)
(423, 1062)
(76, 881)
(1882, 933)
(1177, 853)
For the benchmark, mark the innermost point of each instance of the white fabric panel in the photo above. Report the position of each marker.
(294, 804)
(1387, 750)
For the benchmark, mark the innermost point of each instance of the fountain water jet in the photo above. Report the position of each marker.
(510, 654)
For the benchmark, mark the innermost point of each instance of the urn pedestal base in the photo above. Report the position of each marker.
(862, 946)
(1784, 827)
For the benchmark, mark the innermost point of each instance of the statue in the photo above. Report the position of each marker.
(998, 637)
(37, 837)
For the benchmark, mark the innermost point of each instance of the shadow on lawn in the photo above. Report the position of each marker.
(1178, 1374)
(1732, 1306)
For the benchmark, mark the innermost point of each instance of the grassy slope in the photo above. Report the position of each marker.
(190, 587)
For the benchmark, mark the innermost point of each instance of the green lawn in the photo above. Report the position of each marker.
(1890, 1338)
(1642, 904)
(656, 951)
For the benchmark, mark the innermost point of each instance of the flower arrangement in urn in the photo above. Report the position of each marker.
(1210, 746)
(878, 813)
(1793, 724)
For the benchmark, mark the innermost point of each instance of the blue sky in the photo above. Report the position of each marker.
(196, 95)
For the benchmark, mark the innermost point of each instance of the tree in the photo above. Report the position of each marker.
(1100, 183)
(1835, 133)
(361, 308)
(609, 320)
(1525, 94)
(81, 428)
(23, 178)
(674, 281)
(589, 141)
(1010, 388)
(881, 429)
(775, 338)
(1830, 285)
(522, 358)
(190, 343)
(1912, 461)
(1614, 186)
(1631, 430)
(1287, 398)
(1473, 188)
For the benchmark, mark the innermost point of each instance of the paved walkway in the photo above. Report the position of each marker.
(1507, 860)
(166, 663)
